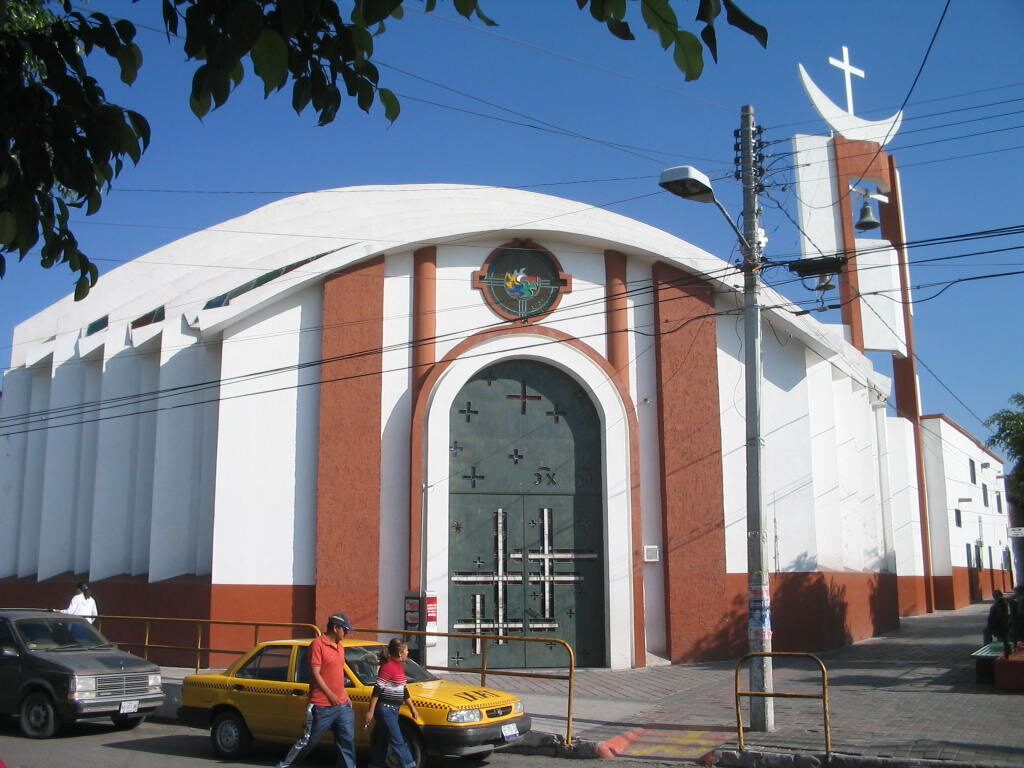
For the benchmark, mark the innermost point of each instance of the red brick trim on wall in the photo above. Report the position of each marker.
(348, 473)
(690, 435)
(418, 458)
(617, 319)
(813, 611)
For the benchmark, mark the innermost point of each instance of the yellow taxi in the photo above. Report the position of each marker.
(263, 696)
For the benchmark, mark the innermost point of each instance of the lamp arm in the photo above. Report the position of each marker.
(743, 241)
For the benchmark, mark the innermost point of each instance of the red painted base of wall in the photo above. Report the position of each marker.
(814, 611)
(912, 600)
(184, 597)
(969, 585)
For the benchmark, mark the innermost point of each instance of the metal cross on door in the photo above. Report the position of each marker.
(526, 550)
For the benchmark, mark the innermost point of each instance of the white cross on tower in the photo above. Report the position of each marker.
(848, 69)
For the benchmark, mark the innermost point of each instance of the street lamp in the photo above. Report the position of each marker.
(690, 184)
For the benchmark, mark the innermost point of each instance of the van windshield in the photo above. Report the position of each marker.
(58, 633)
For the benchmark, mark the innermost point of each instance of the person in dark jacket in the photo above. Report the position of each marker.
(998, 624)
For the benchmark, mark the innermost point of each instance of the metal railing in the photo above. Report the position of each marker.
(484, 671)
(778, 694)
(198, 647)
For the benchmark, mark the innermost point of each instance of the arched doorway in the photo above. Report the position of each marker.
(526, 551)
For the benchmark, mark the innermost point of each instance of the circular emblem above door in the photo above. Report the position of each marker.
(521, 281)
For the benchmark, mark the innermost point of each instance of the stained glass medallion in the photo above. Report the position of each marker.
(521, 281)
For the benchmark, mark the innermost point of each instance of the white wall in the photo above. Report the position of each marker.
(395, 418)
(267, 436)
(643, 384)
(948, 453)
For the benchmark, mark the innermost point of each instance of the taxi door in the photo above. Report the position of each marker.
(266, 697)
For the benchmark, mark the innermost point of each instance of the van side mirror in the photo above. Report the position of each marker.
(7, 652)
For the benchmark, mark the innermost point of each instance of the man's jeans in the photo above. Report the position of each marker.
(318, 719)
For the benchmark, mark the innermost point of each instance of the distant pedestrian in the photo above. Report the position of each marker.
(83, 603)
(1016, 602)
(998, 624)
(388, 695)
(329, 705)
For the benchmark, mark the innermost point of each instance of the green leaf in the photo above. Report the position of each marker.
(364, 95)
(465, 7)
(740, 20)
(94, 201)
(710, 40)
(487, 20)
(81, 288)
(660, 18)
(270, 60)
(708, 11)
(390, 102)
(620, 29)
(130, 58)
(140, 125)
(244, 24)
(375, 11)
(125, 30)
(170, 17)
(200, 103)
(9, 227)
(302, 90)
(687, 54)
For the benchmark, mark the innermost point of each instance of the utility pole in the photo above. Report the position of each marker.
(759, 623)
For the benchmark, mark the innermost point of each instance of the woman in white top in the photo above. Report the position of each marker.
(83, 604)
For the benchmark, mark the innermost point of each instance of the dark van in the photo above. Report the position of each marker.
(56, 668)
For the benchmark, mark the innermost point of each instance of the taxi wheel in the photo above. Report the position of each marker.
(414, 741)
(230, 736)
(38, 718)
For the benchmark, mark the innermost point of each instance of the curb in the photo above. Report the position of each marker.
(728, 758)
(553, 745)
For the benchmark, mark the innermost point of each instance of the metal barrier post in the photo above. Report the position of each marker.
(776, 694)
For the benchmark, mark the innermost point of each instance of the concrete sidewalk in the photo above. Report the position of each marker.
(908, 698)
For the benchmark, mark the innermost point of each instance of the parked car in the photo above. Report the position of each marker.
(263, 696)
(56, 668)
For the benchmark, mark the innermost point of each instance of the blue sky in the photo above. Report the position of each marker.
(494, 105)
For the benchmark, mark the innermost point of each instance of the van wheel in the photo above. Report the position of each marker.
(230, 736)
(126, 723)
(414, 741)
(38, 718)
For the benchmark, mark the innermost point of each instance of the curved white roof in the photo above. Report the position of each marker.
(347, 225)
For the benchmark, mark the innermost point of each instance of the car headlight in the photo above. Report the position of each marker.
(154, 682)
(80, 686)
(517, 708)
(465, 716)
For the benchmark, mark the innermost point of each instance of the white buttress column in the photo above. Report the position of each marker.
(35, 462)
(14, 407)
(184, 461)
(61, 473)
(267, 438)
(122, 447)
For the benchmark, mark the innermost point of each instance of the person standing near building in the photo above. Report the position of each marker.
(389, 693)
(998, 624)
(83, 603)
(329, 705)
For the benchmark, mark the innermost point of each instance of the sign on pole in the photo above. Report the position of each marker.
(1015, 533)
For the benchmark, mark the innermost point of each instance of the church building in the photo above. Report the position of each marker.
(527, 408)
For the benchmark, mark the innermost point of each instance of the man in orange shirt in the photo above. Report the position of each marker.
(328, 706)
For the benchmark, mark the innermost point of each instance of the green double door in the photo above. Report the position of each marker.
(526, 549)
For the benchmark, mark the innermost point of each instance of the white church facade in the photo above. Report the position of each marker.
(530, 408)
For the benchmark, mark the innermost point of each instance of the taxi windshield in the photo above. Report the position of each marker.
(53, 634)
(364, 661)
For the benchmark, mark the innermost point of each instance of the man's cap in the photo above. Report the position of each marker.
(339, 619)
(83, 586)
